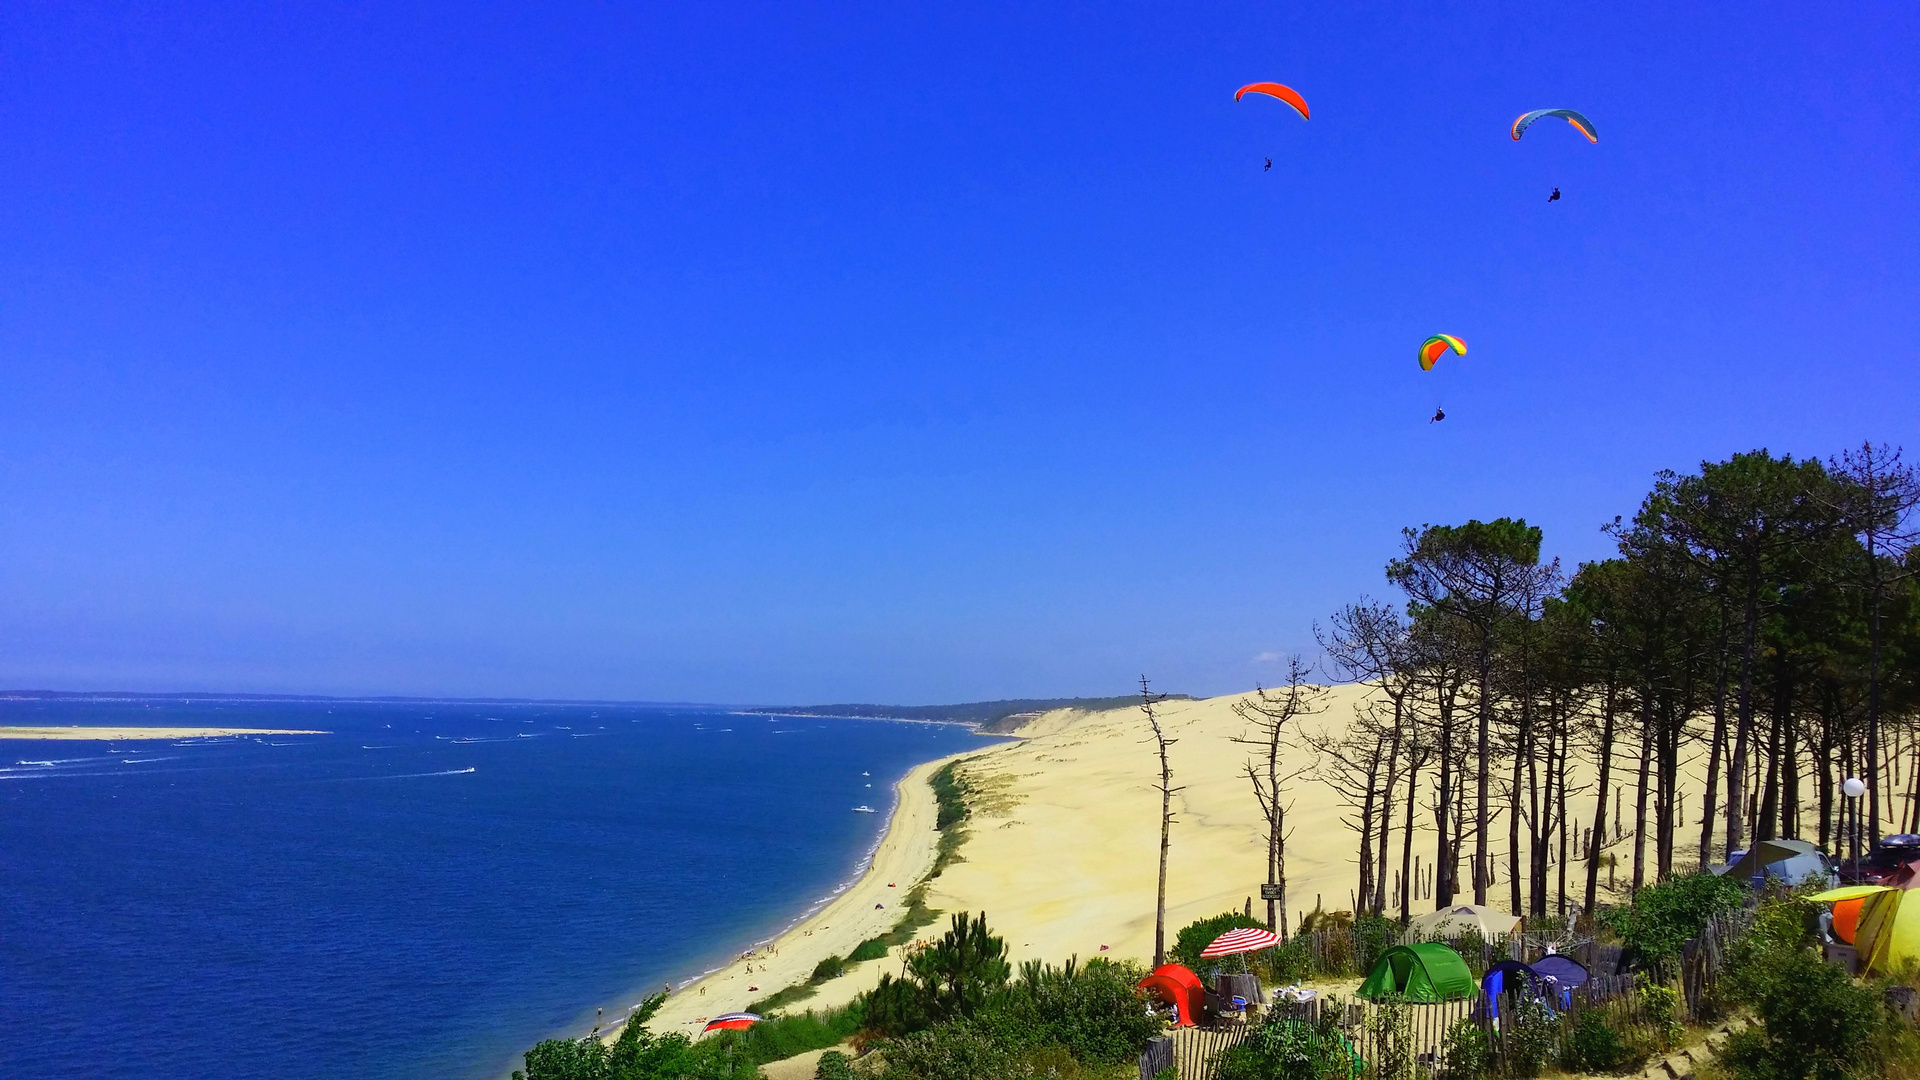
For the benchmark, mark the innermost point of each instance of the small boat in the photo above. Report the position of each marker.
(865, 810)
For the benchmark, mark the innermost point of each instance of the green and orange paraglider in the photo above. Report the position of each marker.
(1275, 90)
(1580, 123)
(1434, 347)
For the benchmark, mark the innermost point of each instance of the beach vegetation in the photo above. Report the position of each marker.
(1467, 1050)
(831, 967)
(950, 796)
(956, 1014)
(1200, 933)
(833, 1065)
(1664, 916)
(1286, 1048)
(638, 1054)
(948, 979)
(780, 1037)
(1593, 1046)
(1814, 1023)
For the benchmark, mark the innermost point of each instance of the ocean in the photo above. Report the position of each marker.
(423, 893)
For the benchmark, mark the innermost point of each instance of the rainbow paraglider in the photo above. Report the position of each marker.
(1432, 348)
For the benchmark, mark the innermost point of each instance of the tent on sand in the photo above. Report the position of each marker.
(1882, 922)
(1453, 922)
(1426, 973)
(1791, 861)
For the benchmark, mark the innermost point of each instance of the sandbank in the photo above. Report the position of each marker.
(131, 734)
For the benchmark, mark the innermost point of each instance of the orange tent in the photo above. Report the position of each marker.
(1179, 987)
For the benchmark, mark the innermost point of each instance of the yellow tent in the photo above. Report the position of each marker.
(1886, 923)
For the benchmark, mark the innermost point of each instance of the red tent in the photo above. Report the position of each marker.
(1180, 988)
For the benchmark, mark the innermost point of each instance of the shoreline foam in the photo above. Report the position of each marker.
(833, 925)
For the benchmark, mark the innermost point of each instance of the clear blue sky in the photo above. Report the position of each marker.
(890, 353)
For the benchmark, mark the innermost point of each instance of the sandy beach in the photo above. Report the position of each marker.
(1062, 849)
(869, 907)
(133, 734)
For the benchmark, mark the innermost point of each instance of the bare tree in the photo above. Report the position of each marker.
(1268, 712)
(1885, 492)
(1148, 699)
(1368, 643)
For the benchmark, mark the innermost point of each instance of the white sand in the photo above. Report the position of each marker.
(1062, 851)
(132, 734)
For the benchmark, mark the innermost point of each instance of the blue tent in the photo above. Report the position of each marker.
(1509, 977)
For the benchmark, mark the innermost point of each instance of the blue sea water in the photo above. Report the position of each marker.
(423, 893)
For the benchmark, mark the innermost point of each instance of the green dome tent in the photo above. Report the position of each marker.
(1426, 973)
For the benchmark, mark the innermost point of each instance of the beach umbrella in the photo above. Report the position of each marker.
(731, 1022)
(1245, 939)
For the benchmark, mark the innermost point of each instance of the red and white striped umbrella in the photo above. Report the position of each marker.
(731, 1022)
(1246, 939)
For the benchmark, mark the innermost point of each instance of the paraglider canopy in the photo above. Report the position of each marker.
(1580, 123)
(1433, 347)
(1275, 90)
(1426, 973)
(738, 1021)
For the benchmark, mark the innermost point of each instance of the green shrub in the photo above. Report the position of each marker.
(1290, 963)
(1814, 1023)
(1593, 1046)
(871, 949)
(956, 1051)
(1660, 1012)
(1532, 1031)
(1389, 1029)
(639, 1054)
(950, 792)
(1780, 929)
(1664, 917)
(1198, 935)
(1093, 1012)
(833, 1065)
(1372, 935)
(780, 1037)
(831, 968)
(1288, 1049)
(1467, 1053)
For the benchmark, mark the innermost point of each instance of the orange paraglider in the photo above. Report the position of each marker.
(1436, 346)
(1275, 90)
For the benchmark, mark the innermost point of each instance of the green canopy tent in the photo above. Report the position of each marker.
(1426, 973)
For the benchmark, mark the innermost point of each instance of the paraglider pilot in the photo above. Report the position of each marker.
(1438, 415)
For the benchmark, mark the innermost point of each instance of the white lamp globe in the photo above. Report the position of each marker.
(1854, 787)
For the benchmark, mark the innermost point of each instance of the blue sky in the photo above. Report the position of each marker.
(833, 352)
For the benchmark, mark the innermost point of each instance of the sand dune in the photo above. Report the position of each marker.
(1062, 850)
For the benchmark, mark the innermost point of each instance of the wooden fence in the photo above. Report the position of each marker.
(1394, 1040)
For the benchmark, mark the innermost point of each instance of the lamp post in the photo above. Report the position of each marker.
(1853, 787)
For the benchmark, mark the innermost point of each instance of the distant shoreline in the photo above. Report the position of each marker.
(84, 733)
